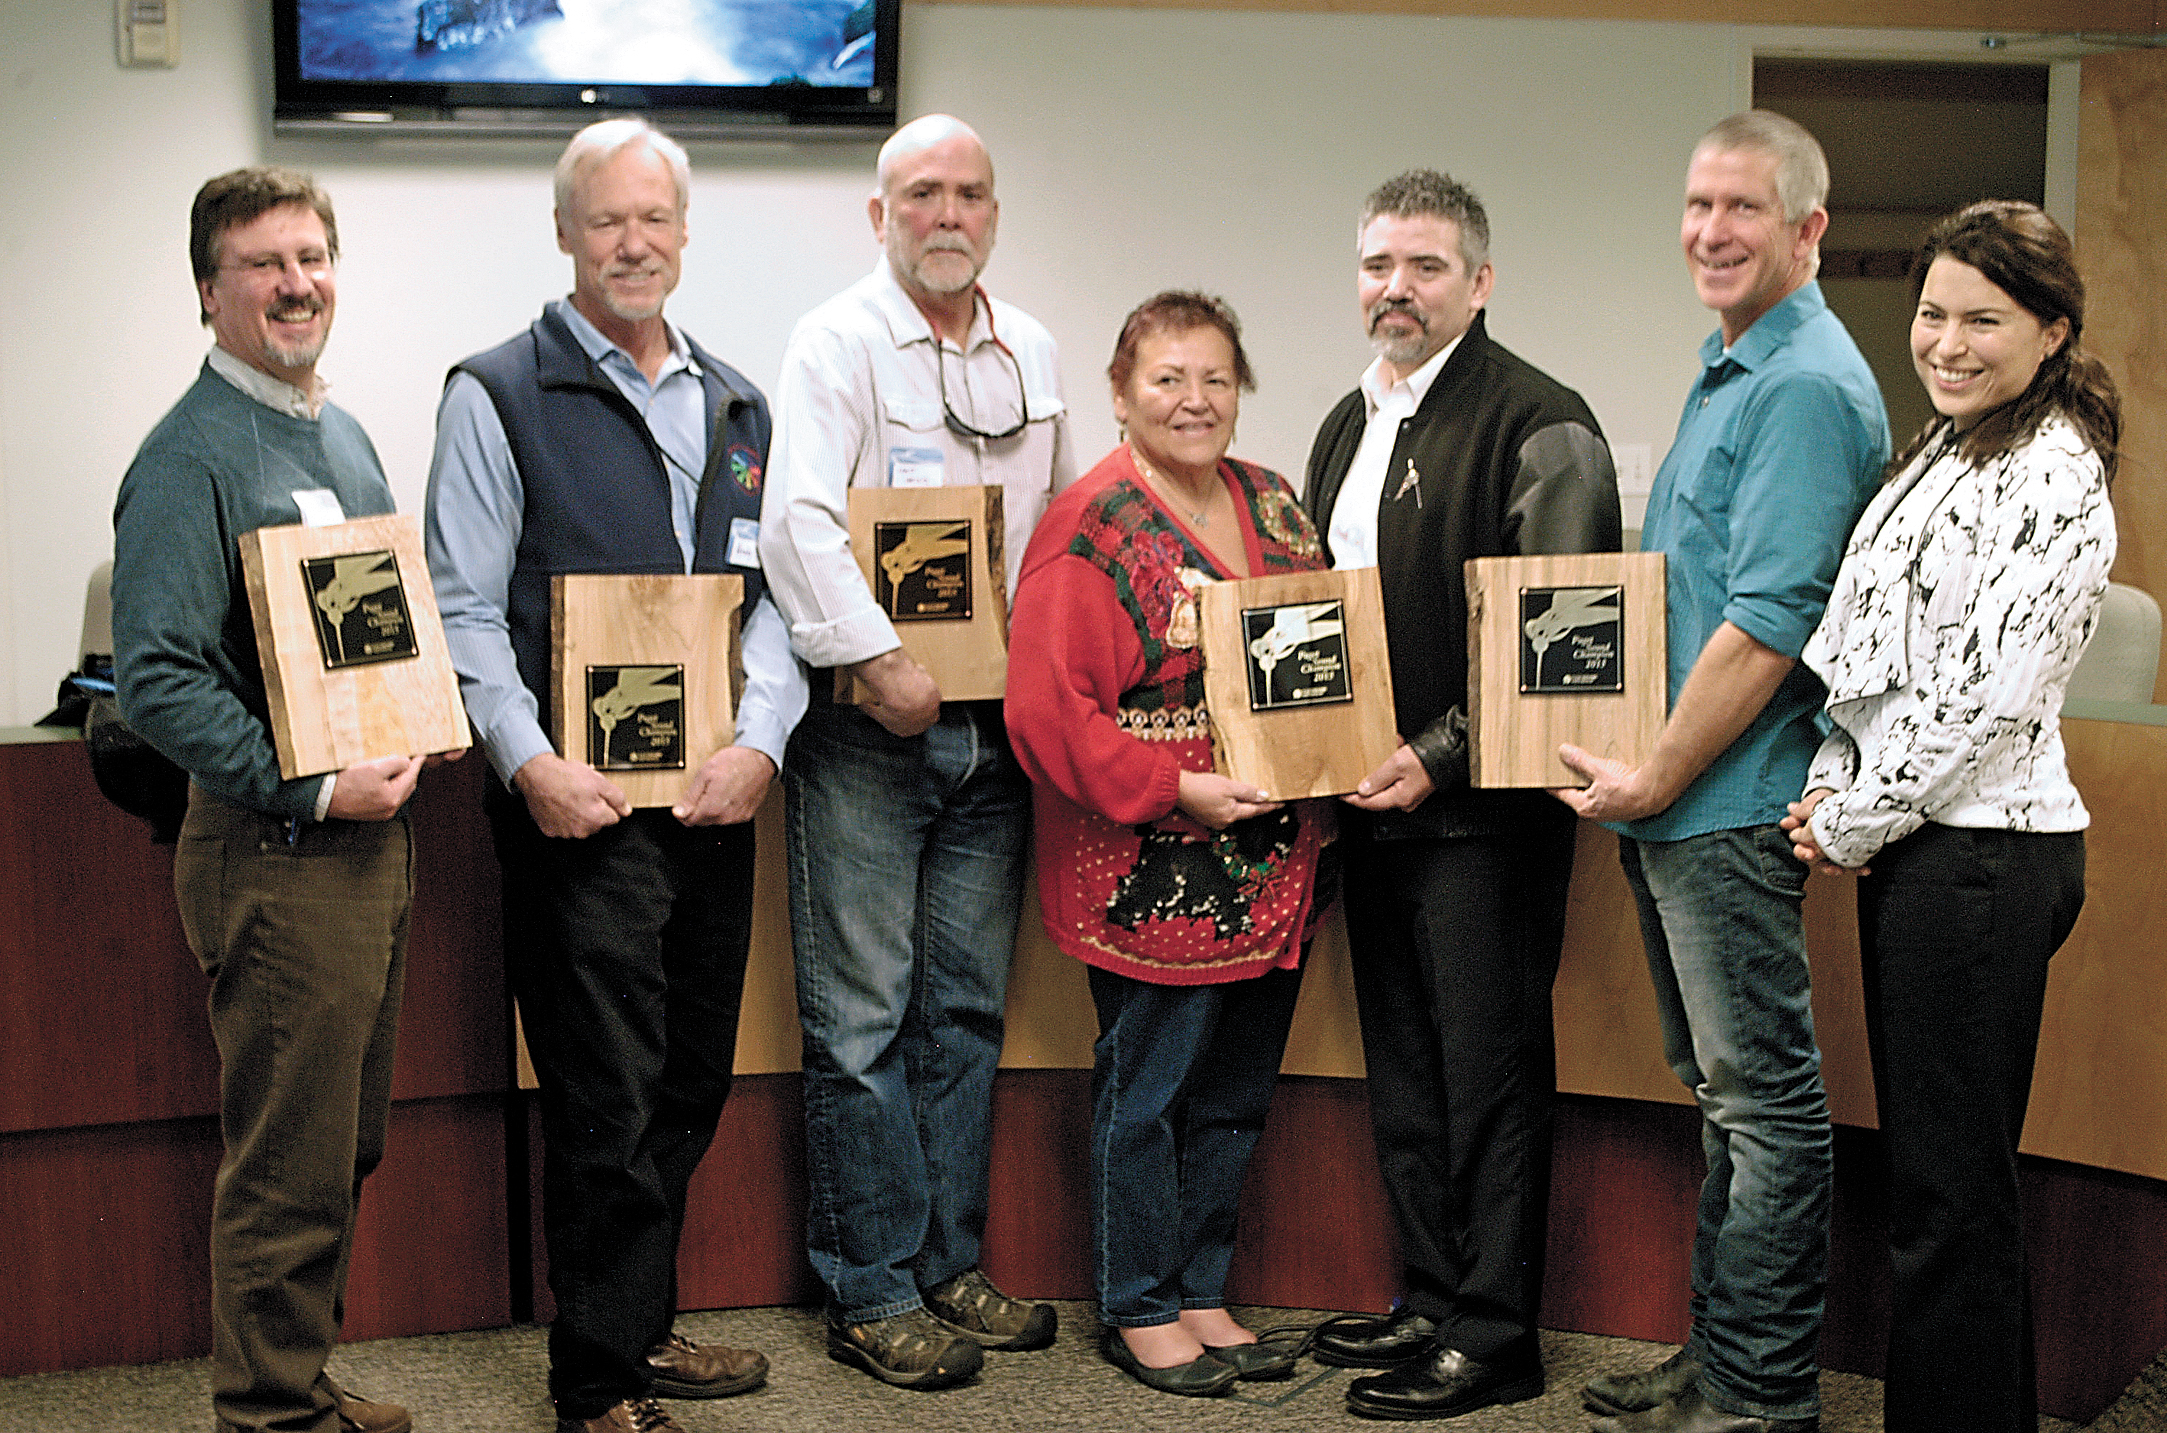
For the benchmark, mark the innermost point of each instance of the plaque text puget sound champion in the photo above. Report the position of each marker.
(636, 718)
(359, 607)
(1572, 640)
(924, 570)
(1297, 655)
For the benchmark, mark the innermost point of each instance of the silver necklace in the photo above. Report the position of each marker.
(1199, 517)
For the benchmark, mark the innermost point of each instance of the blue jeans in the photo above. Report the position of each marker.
(1181, 1081)
(906, 870)
(1726, 946)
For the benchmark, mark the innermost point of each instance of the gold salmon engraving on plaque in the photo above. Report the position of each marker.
(359, 608)
(924, 570)
(636, 718)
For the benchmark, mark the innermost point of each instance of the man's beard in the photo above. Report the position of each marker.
(1399, 352)
(916, 272)
(300, 355)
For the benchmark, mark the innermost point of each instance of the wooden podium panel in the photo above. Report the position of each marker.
(354, 663)
(934, 561)
(1298, 680)
(1563, 648)
(644, 675)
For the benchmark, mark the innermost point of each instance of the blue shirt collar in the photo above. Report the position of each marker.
(1769, 332)
(599, 348)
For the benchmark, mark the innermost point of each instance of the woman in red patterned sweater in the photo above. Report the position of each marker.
(1187, 894)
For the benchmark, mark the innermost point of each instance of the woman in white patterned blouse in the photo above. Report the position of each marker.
(1967, 593)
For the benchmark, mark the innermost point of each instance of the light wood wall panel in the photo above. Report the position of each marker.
(2122, 251)
(2100, 1093)
(2135, 17)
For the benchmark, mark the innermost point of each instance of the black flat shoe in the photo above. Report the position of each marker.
(1258, 1362)
(1444, 1384)
(1372, 1340)
(1202, 1377)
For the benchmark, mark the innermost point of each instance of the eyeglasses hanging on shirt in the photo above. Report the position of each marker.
(955, 424)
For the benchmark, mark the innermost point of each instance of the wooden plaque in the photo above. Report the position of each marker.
(644, 675)
(1564, 648)
(933, 558)
(1298, 680)
(354, 663)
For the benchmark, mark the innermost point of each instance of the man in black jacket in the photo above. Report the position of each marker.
(1451, 448)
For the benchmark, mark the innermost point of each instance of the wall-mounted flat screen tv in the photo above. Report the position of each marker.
(698, 68)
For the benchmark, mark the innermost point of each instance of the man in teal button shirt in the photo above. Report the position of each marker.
(1783, 438)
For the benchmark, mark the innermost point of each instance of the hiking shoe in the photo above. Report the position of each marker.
(971, 1306)
(909, 1350)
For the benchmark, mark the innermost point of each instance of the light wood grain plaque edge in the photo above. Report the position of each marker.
(1514, 737)
(325, 720)
(1299, 752)
(969, 660)
(691, 608)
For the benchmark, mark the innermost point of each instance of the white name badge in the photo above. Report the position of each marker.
(319, 507)
(744, 543)
(915, 467)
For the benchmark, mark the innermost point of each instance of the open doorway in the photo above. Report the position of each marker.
(1906, 142)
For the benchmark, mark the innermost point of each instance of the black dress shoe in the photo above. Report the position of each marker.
(1202, 1377)
(1372, 1340)
(1615, 1393)
(1443, 1384)
(1691, 1413)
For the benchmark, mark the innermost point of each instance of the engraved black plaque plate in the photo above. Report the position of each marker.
(1572, 640)
(923, 570)
(636, 718)
(1297, 655)
(359, 607)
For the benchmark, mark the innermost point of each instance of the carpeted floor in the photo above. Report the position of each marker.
(492, 1382)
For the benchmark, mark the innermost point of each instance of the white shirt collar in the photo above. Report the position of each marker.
(1417, 384)
(908, 323)
(273, 393)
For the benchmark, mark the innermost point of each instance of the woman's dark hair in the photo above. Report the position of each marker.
(1177, 311)
(2025, 254)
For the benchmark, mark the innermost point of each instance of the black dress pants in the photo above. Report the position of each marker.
(626, 951)
(1455, 947)
(1956, 927)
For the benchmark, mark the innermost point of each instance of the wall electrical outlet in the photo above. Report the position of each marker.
(147, 33)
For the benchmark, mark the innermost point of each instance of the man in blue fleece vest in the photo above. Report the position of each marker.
(294, 894)
(601, 439)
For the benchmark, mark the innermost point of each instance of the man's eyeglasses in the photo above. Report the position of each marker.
(948, 415)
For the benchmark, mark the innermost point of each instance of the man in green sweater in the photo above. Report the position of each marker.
(294, 894)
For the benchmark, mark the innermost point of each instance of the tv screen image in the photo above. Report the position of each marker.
(630, 42)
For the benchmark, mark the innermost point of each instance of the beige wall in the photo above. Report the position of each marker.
(1136, 147)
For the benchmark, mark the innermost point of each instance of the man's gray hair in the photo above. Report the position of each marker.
(921, 133)
(1801, 167)
(1425, 192)
(602, 139)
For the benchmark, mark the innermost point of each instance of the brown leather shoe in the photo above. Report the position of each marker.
(634, 1415)
(684, 1369)
(363, 1415)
